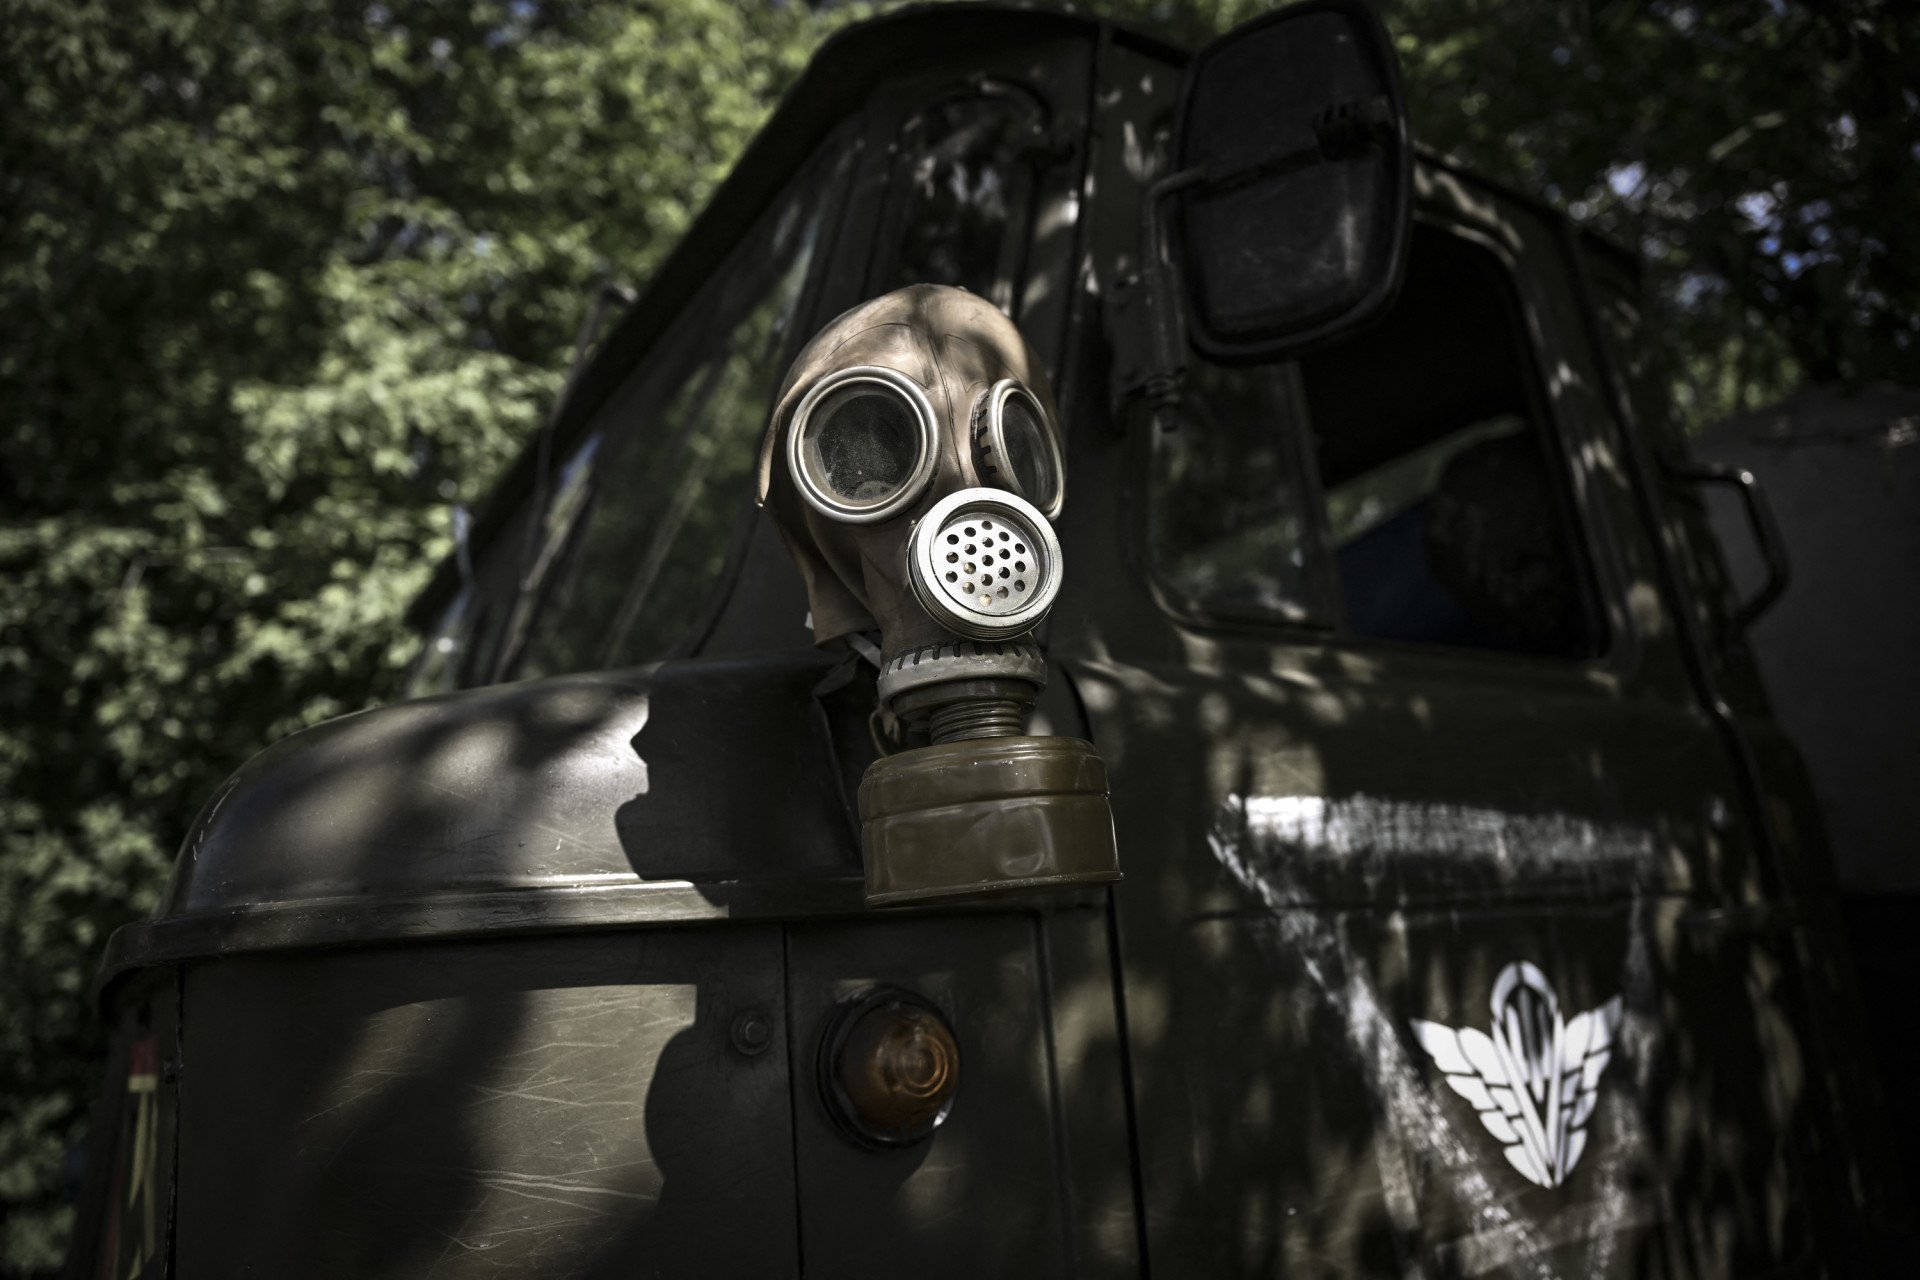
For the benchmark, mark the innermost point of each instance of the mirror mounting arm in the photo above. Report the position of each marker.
(1144, 319)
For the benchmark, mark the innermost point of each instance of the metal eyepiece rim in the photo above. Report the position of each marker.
(917, 480)
(990, 433)
(923, 570)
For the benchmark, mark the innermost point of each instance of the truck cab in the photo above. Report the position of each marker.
(1475, 917)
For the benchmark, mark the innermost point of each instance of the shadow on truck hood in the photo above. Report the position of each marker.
(687, 791)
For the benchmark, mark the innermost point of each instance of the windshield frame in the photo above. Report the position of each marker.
(835, 88)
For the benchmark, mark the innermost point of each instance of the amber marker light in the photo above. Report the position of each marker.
(889, 1067)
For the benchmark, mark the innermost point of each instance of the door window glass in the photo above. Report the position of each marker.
(1437, 485)
(1447, 512)
(1228, 514)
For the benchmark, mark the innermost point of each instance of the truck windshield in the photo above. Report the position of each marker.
(963, 194)
(645, 510)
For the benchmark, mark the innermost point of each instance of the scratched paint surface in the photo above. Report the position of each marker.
(1435, 1152)
(1684, 1167)
(1385, 839)
(561, 1107)
(1318, 862)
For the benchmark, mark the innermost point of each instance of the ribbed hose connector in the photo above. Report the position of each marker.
(975, 718)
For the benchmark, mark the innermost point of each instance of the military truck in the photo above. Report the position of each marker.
(734, 898)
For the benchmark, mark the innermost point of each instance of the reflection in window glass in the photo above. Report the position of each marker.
(553, 533)
(720, 417)
(465, 638)
(438, 667)
(1226, 515)
(1363, 504)
(1446, 519)
(965, 190)
(669, 502)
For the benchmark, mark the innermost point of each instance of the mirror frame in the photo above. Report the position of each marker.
(1397, 140)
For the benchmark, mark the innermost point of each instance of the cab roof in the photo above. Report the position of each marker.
(836, 80)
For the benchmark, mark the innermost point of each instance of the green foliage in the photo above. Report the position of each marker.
(1763, 157)
(286, 278)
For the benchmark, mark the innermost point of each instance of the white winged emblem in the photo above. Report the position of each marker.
(1536, 1079)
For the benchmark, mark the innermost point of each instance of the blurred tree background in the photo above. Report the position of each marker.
(284, 280)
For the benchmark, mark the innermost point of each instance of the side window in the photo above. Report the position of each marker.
(636, 561)
(962, 194)
(1230, 514)
(1435, 509)
(437, 669)
(1448, 519)
(464, 639)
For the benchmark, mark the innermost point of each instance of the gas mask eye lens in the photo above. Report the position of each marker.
(1028, 453)
(1014, 449)
(862, 444)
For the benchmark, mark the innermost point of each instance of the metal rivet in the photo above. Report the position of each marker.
(752, 1032)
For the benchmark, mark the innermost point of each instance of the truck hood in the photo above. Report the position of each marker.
(684, 791)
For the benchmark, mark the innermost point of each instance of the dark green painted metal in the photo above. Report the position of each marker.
(582, 801)
(1286, 1120)
(475, 969)
(987, 815)
(993, 1192)
(564, 1106)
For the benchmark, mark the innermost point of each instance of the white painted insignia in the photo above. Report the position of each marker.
(1536, 1079)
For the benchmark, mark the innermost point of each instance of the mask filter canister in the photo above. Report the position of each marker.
(984, 807)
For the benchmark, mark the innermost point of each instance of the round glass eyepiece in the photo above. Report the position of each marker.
(862, 444)
(1014, 447)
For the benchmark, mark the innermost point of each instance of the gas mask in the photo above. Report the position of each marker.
(914, 466)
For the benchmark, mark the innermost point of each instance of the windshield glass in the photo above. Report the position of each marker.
(647, 509)
(668, 504)
(963, 192)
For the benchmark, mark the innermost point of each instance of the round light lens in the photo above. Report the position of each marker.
(862, 444)
(889, 1068)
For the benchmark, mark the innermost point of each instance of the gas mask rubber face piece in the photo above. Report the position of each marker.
(914, 466)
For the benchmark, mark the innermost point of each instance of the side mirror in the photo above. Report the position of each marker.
(1291, 221)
